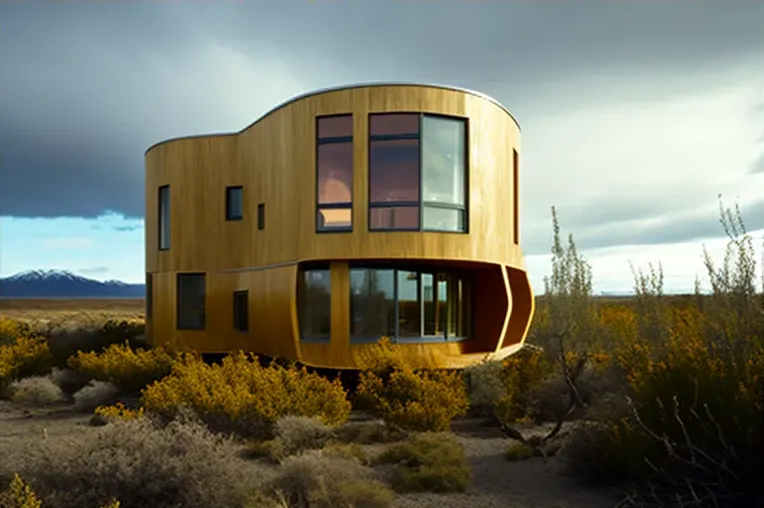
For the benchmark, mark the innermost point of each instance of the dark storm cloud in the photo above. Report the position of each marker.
(85, 88)
(678, 228)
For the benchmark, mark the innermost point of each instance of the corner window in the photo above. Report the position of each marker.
(164, 217)
(417, 172)
(334, 173)
(234, 203)
(314, 302)
(408, 304)
(261, 216)
(241, 311)
(190, 303)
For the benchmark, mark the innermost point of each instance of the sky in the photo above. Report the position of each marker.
(635, 115)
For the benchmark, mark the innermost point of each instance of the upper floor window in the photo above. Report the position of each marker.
(164, 217)
(417, 172)
(334, 173)
(234, 203)
(515, 197)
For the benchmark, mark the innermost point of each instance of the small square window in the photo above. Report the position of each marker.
(261, 216)
(241, 311)
(234, 204)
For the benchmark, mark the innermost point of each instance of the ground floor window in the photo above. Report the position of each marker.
(408, 304)
(314, 302)
(191, 289)
(241, 311)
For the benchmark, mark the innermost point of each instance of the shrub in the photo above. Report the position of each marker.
(520, 377)
(368, 432)
(485, 386)
(118, 412)
(428, 462)
(301, 433)
(242, 396)
(24, 358)
(11, 330)
(424, 400)
(136, 463)
(19, 495)
(517, 451)
(36, 391)
(131, 370)
(117, 331)
(327, 479)
(70, 381)
(94, 394)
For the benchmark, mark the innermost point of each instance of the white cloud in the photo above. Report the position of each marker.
(67, 243)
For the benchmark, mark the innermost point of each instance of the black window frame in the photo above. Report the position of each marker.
(420, 201)
(185, 326)
(229, 216)
(163, 223)
(260, 216)
(241, 314)
(334, 206)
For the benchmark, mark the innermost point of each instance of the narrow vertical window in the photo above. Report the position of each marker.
(190, 304)
(394, 171)
(234, 204)
(164, 217)
(314, 302)
(334, 173)
(241, 311)
(261, 216)
(149, 294)
(515, 197)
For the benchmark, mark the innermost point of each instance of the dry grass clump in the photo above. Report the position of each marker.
(301, 433)
(421, 400)
(328, 479)
(70, 381)
(244, 397)
(129, 369)
(517, 451)
(36, 391)
(369, 432)
(433, 462)
(181, 465)
(94, 394)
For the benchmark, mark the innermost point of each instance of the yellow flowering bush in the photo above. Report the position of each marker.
(10, 330)
(521, 374)
(421, 400)
(19, 495)
(118, 411)
(116, 331)
(244, 396)
(26, 357)
(128, 368)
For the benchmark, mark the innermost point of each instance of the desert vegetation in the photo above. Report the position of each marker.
(653, 401)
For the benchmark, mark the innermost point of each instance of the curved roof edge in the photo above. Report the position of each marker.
(339, 88)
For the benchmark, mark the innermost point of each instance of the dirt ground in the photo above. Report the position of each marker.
(534, 483)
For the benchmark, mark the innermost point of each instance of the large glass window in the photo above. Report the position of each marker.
(164, 217)
(372, 302)
(190, 301)
(515, 197)
(408, 305)
(334, 173)
(417, 172)
(314, 302)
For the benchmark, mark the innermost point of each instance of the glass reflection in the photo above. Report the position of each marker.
(372, 303)
(314, 303)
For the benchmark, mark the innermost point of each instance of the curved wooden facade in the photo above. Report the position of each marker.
(266, 252)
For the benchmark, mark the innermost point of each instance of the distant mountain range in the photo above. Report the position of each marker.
(63, 284)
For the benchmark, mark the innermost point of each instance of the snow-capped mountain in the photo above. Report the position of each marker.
(64, 284)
